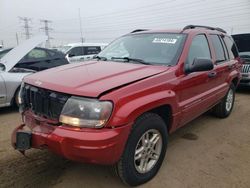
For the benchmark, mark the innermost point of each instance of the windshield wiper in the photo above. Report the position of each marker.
(100, 58)
(131, 59)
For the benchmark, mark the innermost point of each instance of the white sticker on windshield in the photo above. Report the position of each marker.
(164, 40)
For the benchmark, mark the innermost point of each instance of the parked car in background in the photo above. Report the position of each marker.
(119, 108)
(243, 43)
(39, 59)
(21, 61)
(77, 52)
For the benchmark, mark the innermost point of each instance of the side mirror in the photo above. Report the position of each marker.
(200, 65)
(71, 55)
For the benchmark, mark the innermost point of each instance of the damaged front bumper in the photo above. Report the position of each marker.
(100, 146)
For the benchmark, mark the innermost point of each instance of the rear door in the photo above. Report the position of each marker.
(223, 64)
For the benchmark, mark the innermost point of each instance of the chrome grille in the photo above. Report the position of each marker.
(43, 102)
(245, 68)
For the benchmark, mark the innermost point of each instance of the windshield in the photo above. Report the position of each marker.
(153, 48)
(64, 49)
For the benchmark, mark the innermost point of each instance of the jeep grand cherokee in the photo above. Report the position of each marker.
(120, 108)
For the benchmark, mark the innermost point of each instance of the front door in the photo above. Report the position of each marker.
(196, 89)
(76, 54)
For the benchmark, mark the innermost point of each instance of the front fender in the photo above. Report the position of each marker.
(127, 112)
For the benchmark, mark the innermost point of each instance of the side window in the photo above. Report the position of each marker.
(232, 49)
(52, 53)
(224, 48)
(199, 49)
(37, 54)
(92, 50)
(218, 47)
(77, 51)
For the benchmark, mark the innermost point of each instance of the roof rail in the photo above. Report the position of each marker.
(139, 30)
(203, 26)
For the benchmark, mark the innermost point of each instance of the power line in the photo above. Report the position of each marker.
(139, 19)
(119, 12)
(136, 12)
(26, 26)
(160, 22)
(47, 30)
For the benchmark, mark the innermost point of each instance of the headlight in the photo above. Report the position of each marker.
(83, 112)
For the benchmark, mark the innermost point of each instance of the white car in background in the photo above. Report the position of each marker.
(21, 61)
(77, 52)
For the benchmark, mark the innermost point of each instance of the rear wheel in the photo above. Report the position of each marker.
(145, 150)
(225, 107)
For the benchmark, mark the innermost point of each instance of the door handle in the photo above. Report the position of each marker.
(212, 74)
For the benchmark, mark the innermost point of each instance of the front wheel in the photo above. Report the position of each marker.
(145, 150)
(225, 107)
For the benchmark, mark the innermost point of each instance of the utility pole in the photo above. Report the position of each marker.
(26, 26)
(47, 29)
(17, 41)
(80, 21)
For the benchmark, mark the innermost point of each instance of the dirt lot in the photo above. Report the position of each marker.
(209, 152)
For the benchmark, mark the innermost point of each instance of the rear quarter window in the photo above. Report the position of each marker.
(231, 47)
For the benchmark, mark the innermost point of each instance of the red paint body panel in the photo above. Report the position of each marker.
(78, 144)
(96, 77)
(134, 89)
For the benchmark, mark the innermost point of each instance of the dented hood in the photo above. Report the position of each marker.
(92, 78)
(16, 54)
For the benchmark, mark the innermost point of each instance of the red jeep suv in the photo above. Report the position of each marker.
(119, 108)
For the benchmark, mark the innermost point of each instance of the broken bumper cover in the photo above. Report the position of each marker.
(100, 146)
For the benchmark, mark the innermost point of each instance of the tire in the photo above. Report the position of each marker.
(147, 127)
(224, 108)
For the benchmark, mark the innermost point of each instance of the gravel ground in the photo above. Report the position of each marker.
(208, 152)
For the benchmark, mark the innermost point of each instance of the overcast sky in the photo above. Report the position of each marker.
(104, 20)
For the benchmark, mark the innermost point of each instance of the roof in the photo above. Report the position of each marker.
(187, 29)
